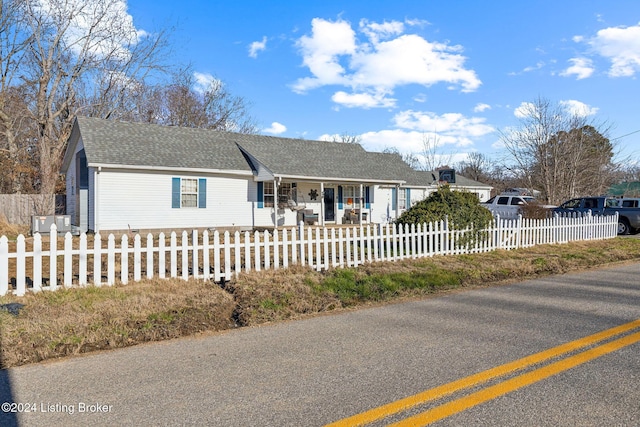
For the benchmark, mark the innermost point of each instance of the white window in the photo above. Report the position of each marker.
(402, 198)
(268, 194)
(351, 196)
(189, 193)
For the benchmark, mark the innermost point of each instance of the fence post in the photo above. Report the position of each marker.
(195, 262)
(4, 265)
(217, 267)
(256, 244)
(185, 255)
(68, 260)
(285, 248)
(149, 256)
(236, 251)
(227, 255)
(341, 245)
(301, 242)
(37, 262)
(53, 257)
(267, 252)
(137, 258)
(97, 260)
(20, 266)
(82, 262)
(162, 256)
(111, 260)
(124, 259)
(276, 249)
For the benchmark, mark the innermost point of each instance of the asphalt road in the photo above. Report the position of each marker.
(324, 369)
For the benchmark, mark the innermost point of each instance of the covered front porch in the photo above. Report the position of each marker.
(290, 200)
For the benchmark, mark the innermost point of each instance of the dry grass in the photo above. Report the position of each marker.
(280, 294)
(73, 321)
(11, 230)
(79, 320)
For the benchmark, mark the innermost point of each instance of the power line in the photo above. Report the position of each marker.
(619, 137)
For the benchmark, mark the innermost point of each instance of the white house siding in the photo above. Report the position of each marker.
(142, 200)
(70, 181)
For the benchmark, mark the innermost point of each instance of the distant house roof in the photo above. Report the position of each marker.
(625, 189)
(120, 144)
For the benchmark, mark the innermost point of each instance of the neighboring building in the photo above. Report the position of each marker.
(626, 189)
(122, 175)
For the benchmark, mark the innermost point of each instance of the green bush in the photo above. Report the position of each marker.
(462, 208)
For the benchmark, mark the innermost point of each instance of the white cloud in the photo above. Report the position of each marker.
(205, 82)
(581, 68)
(362, 100)
(421, 98)
(321, 52)
(256, 47)
(481, 107)
(577, 108)
(104, 29)
(571, 106)
(375, 31)
(620, 45)
(384, 60)
(276, 128)
(524, 110)
(412, 127)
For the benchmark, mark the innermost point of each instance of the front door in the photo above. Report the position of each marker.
(329, 205)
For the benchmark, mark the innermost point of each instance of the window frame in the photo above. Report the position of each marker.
(189, 193)
(351, 192)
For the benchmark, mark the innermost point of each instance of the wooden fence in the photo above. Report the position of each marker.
(69, 261)
(18, 208)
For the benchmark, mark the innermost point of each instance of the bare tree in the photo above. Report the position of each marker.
(477, 166)
(68, 57)
(346, 138)
(432, 157)
(411, 159)
(187, 103)
(561, 154)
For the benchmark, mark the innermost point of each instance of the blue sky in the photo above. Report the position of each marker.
(397, 72)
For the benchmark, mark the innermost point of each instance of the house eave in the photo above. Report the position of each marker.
(338, 179)
(172, 169)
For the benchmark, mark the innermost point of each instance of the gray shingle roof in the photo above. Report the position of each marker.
(322, 159)
(118, 143)
(110, 142)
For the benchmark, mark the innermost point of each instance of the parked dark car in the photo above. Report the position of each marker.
(628, 217)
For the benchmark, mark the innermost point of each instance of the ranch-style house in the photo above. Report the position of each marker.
(123, 176)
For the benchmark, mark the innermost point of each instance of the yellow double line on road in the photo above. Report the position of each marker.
(502, 388)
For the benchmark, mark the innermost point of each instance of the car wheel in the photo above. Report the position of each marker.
(623, 226)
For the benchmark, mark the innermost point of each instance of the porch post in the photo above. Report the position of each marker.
(360, 199)
(321, 213)
(276, 201)
(397, 201)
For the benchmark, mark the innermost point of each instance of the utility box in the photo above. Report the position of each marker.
(42, 223)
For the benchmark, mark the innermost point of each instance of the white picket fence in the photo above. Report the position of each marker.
(70, 261)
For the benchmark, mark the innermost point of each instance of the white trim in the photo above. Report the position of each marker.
(340, 180)
(172, 169)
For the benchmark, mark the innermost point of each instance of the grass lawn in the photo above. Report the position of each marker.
(81, 320)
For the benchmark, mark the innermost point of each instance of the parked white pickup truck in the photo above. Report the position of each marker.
(507, 205)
